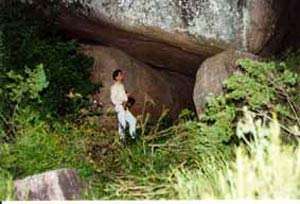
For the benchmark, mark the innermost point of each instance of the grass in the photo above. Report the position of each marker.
(43, 145)
(175, 168)
(189, 159)
(172, 163)
(264, 169)
(6, 185)
(144, 169)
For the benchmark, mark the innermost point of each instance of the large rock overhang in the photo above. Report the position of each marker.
(200, 25)
(158, 54)
(177, 36)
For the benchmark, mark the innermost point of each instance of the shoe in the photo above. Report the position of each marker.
(134, 137)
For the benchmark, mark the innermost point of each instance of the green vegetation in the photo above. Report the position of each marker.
(201, 159)
(29, 43)
(265, 169)
(6, 185)
(251, 129)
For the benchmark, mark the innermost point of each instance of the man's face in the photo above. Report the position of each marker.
(120, 77)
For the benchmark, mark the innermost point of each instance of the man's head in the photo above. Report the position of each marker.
(118, 75)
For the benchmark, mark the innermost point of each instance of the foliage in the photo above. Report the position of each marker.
(18, 90)
(38, 68)
(261, 83)
(29, 44)
(263, 87)
(44, 76)
(192, 153)
(142, 170)
(264, 169)
(40, 146)
(6, 185)
(187, 160)
(29, 41)
(292, 60)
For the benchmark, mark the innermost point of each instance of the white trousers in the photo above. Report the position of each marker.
(125, 117)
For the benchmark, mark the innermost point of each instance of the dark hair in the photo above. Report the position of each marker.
(116, 73)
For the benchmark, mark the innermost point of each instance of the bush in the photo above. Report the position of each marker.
(262, 86)
(29, 44)
(18, 90)
(27, 41)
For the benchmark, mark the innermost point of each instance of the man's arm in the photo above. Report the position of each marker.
(123, 94)
(118, 95)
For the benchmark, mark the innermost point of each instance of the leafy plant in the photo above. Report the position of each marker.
(263, 87)
(28, 41)
(19, 90)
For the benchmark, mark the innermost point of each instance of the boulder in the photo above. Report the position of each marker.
(153, 89)
(145, 49)
(212, 73)
(63, 184)
(177, 34)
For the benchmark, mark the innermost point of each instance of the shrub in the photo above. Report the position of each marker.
(262, 86)
(16, 91)
(27, 41)
(31, 45)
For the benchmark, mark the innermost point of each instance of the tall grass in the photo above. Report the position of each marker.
(265, 168)
(144, 170)
(173, 163)
(6, 185)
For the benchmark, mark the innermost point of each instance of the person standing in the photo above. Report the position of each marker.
(119, 98)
